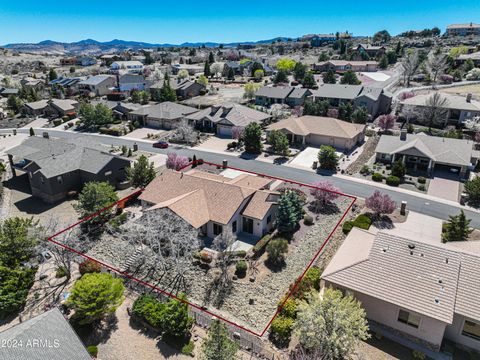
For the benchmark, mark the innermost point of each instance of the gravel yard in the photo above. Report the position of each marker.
(251, 304)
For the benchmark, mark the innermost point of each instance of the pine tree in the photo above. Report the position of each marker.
(142, 173)
(218, 345)
(32, 132)
(211, 58)
(457, 229)
(206, 69)
(286, 215)
(329, 77)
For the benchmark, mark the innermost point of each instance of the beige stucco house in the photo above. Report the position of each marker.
(319, 130)
(211, 202)
(418, 292)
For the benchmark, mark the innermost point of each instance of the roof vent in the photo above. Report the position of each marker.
(446, 260)
(440, 281)
(411, 246)
(411, 252)
(437, 301)
(385, 249)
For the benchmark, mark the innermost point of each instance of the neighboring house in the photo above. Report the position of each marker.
(246, 68)
(131, 67)
(192, 69)
(6, 92)
(35, 108)
(420, 292)
(99, 85)
(459, 108)
(211, 202)
(165, 115)
(68, 61)
(475, 57)
(318, 131)
(32, 83)
(47, 336)
(463, 29)
(322, 39)
(185, 89)
(129, 82)
(371, 50)
(120, 109)
(57, 167)
(86, 61)
(421, 152)
(223, 118)
(376, 100)
(54, 107)
(288, 95)
(234, 65)
(68, 85)
(341, 66)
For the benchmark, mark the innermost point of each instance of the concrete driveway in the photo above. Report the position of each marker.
(305, 158)
(444, 188)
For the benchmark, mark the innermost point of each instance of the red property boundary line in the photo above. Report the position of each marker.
(155, 288)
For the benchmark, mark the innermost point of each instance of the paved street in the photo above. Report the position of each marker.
(421, 204)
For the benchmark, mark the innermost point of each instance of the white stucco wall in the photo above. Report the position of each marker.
(454, 333)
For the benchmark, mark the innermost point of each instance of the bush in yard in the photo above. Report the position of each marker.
(422, 180)
(276, 250)
(472, 189)
(241, 268)
(92, 350)
(399, 169)
(281, 330)
(188, 348)
(261, 244)
(327, 157)
(89, 266)
(289, 308)
(290, 212)
(365, 170)
(393, 181)
(457, 228)
(362, 221)
(94, 197)
(347, 227)
(308, 220)
(421, 187)
(377, 177)
(62, 271)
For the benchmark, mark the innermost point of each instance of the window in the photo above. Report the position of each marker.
(234, 226)
(269, 219)
(59, 179)
(217, 229)
(108, 173)
(471, 329)
(408, 318)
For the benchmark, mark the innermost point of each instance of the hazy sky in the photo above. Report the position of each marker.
(219, 21)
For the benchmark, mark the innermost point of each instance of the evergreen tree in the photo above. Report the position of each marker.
(142, 173)
(457, 228)
(327, 157)
(309, 81)
(211, 58)
(231, 74)
(399, 169)
(253, 138)
(299, 71)
(286, 215)
(329, 77)
(360, 115)
(345, 111)
(350, 78)
(176, 321)
(166, 91)
(32, 132)
(218, 345)
(281, 77)
(52, 75)
(206, 69)
(383, 64)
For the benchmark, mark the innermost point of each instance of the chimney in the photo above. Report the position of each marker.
(469, 97)
(403, 134)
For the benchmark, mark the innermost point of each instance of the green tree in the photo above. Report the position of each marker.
(32, 132)
(252, 138)
(218, 345)
(231, 74)
(258, 74)
(299, 71)
(281, 330)
(281, 77)
(52, 75)
(383, 63)
(382, 36)
(317, 108)
(457, 228)
(176, 321)
(279, 142)
(360, 115)
(399, 169)
(140, 97)
(290, 212)
(332, 325)
(103, 114)
(345, 111)
(211, 58)
(166, 92)
(472, 189)
(250, 90)
(329, 77)
(309, 81)
(142, 173)
(14, 287)
(202, 79)
(206, 69)
(256, 66)
(276, 250)
(286, 64)
(18, 238)
(95, 295)
(349, 78)
(14, 103)
(94, 197)
(327, 157)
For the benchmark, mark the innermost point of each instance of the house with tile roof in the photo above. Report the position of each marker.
(56, 167)
(222, 119)
(289, 95)
(319, 130)
(463, 29)
(165, 115)
(212, 202)
(417, 292)
(99, 85)
(341, 66)
(47, 336)
(421, 152)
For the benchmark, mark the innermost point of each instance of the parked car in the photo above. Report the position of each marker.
(161, 145)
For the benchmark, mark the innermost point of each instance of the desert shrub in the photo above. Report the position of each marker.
(205, 257)
(422, 180)
(377, 177)
(347, 226)
(308, 220)
(232, 145)
(188, 348)
(113, 132)
(276, 250)
(281, 330)
(393, 180)
(418, 355)
(421, 187)
(289, 308)
(241, 268)
(57, 122)
(61, 272)
(92, 350)
(365, 170)
(362, 221)
(261, 244)
(89, 266)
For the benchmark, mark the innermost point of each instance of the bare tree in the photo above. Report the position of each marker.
(435, 110)
(410, 64)
(436, 64)
(185, 132)
(223, 244)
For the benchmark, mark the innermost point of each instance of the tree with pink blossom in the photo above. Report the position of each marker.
(324, 192)
(176, 162)
(380, 204)
(237, 132)
(406, 95)
(386, 122)
(333, 113)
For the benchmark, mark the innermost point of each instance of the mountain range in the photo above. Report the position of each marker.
(94, 47)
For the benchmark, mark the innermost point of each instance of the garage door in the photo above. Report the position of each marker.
(153, 123)
(224, 130)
